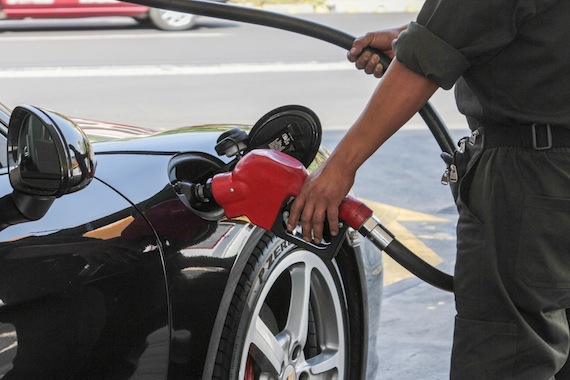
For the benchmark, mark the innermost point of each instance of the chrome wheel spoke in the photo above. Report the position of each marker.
(266, 350)
(323, 363)
(298, 318)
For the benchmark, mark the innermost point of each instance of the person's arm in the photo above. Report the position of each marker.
(399, 95)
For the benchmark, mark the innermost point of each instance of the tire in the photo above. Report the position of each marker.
(170, 20)
(287, 319)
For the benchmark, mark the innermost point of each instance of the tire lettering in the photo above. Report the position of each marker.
(272, 257)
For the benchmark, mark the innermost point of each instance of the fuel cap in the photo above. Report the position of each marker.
(292, 129)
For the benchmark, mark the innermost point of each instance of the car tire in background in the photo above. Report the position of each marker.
(171, 20)
(288, 317)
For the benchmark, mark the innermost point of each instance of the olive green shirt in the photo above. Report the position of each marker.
(508, 59)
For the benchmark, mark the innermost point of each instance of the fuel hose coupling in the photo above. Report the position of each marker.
(376, 233)
(361, 218)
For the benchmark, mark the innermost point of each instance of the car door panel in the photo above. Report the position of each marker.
(80, 296)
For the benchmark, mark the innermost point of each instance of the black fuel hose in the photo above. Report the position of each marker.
(424, 271)
(396, 250)
(360, 217)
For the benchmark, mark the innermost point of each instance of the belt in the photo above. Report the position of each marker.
(535, 136)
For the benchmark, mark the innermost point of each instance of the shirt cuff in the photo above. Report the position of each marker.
(425, 53)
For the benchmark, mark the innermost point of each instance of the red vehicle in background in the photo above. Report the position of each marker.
(162, 19)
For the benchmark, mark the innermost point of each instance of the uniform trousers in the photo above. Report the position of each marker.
(512, 275)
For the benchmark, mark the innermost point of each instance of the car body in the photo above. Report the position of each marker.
(120, 278)
(162, 19)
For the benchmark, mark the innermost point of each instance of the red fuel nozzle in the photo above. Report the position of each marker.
(261, 182)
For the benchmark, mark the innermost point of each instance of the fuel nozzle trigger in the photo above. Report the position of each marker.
(329, 246)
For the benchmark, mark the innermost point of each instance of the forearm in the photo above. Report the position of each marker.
(399, 95)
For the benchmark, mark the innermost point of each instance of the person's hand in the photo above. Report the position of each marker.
(320, 198)
(364, 59)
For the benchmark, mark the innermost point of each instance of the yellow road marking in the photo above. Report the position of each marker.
(391, 216)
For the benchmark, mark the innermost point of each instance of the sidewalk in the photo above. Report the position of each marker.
(344, 6)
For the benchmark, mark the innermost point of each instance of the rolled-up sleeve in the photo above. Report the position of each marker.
(427, 54)
(451, 36)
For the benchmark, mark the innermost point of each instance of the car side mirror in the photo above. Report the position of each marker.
(48, 156)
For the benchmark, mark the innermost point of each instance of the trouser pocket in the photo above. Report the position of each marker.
(483, 350)
(543, 257)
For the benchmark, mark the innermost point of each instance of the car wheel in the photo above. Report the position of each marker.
(170, 20)
(287, 318)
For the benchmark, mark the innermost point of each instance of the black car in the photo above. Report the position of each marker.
(108, 272)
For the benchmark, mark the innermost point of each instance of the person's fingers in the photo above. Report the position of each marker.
(317, 221)
(358, 47)
(378, 71)
(363, 60)
(353, 54)
(295, 213)
(318, 201)
(332, 218)
(370, 67)
(307, 222)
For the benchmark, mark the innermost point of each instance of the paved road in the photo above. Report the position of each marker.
(113, 69)
(222, 71)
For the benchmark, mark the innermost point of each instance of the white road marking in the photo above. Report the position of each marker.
(171, 70)
(98, 37)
